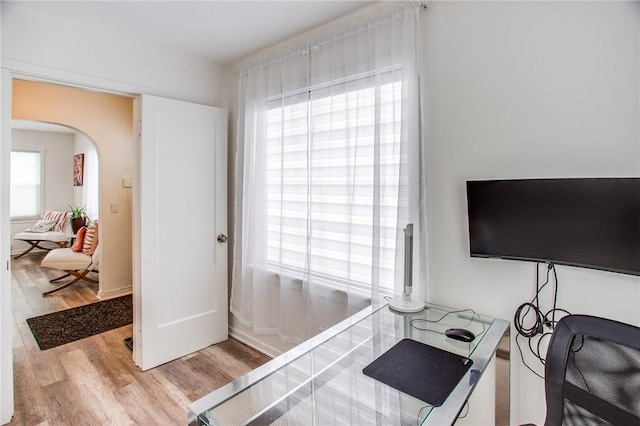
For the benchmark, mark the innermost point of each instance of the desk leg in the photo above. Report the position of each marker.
(503, 355)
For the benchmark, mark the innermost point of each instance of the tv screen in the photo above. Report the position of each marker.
(585, 222)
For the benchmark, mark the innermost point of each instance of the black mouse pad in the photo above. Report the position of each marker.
(419, 370)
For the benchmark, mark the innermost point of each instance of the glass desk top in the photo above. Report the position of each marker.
(321, 381)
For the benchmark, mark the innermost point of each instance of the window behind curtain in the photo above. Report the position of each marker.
(26, 184)
(322, 147)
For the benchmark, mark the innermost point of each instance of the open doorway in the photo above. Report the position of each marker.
(106, 119)
(58, 373)
(63, 124)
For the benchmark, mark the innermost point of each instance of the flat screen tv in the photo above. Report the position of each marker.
(585, 222)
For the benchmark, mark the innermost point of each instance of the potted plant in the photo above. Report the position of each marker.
(78, 218)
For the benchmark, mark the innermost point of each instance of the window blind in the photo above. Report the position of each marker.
(26, 184)
(332, 163)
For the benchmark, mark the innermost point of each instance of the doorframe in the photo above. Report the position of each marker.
(6, 328)
(136, 234)
(19, 70)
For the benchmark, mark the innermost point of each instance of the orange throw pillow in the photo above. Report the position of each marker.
(78, 243)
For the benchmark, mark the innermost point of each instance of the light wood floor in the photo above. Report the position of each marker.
(94, 381)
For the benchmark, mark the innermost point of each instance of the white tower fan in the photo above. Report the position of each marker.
(405, 303)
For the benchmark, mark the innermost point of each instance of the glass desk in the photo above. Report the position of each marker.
(321, 381)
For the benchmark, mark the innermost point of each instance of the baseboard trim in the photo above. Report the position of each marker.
(253, 342)
(103, 295)
(502, 353)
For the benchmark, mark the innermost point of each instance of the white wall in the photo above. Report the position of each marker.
(517, 90)
(35, 43)
(526, 89)
(67, 51)
(57, 149)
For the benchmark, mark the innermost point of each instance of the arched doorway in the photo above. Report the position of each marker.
(51, 148)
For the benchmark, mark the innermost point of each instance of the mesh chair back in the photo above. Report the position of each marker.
(593, 373)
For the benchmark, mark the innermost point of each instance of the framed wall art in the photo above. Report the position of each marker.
(78, 169)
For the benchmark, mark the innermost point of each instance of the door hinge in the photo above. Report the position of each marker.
(139, 127)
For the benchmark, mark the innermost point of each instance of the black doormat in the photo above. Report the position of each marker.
(73, 324)
(419, 370)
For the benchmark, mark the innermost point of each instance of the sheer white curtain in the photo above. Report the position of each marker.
(327, 174)
(91, 185)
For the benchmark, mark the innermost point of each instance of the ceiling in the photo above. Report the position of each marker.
(220, 31)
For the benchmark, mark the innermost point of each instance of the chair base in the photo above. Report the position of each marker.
(78, 276)
(36, 244)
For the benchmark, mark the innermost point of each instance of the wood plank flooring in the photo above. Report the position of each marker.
(94, 380)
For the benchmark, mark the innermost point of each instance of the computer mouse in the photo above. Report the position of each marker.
(461, 334)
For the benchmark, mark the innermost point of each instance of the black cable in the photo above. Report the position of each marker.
(555, 296)
(552, 323)
(466, 404)
(449, 313)
(536, 330)
(534, 305)
(522, 358)
(414, 321)
(519, 317)
(539, 349)
(535, 298)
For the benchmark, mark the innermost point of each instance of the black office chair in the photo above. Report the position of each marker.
(593, 373)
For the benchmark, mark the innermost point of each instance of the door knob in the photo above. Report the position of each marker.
(222, 238)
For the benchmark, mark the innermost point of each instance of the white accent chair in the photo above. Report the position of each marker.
(76, 264)
(59, 237)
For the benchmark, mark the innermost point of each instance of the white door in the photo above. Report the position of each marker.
(180, 275)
